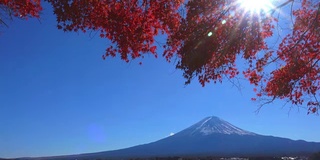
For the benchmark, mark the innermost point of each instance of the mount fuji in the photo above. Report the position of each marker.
(211, 136)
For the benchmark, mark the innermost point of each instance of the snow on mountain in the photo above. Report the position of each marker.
(212, 125)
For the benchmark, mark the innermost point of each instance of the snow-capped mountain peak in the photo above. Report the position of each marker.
(212, 125)
(211, 136)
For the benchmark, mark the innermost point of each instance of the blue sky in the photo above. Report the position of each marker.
(57, 96)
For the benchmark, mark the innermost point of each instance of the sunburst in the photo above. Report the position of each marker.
(256, 6)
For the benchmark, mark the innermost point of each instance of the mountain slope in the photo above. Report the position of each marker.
(212, 136)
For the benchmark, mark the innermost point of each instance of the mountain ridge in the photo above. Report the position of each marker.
(211, 136)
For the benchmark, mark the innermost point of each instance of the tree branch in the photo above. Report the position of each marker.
(283, 4)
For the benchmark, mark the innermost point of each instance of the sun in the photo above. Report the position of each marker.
(256, 6)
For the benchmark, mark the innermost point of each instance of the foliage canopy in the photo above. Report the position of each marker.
(207, 37)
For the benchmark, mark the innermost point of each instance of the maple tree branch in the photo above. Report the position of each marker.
(268, 101)
(291, 15)
(315, 97)
(2, 22)
(281, 5)
(234, 84)
(3, 9)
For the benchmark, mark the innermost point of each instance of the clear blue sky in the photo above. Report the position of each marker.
(57, 96)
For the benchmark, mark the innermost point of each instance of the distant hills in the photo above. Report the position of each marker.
(211, 136)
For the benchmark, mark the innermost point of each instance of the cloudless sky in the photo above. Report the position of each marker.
(57, 97)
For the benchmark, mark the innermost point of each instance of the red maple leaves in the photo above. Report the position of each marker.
(297, 76)
(130, 25)
(20, 8)
(213, 35)
(207, 37)
(298, 79)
